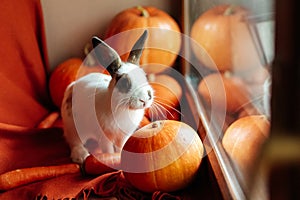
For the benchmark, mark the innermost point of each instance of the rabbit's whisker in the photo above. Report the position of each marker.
(164, 108)
(160, 99)
(159, 110)
(165, 105)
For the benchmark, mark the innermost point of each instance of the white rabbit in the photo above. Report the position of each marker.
(107, 109)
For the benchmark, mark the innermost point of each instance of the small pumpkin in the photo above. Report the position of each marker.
(163, 43)
(163, 155)
(243, 140)
(167, 96)
(61, 77)
(223, 33)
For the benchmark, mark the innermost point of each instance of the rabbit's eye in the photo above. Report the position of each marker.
(123, 83)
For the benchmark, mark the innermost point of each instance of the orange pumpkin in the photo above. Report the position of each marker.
(167, 96)
(224, 37)
(163, 43)
(65, 73)
(243, 140)
(224, 92)
(163, 155)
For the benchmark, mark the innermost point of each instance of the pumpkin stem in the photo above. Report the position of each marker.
(229, 11)
(154, 125)
(144, 12)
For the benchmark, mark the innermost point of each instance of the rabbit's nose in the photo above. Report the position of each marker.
(143, 102)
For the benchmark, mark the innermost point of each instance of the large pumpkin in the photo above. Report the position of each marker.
(163, 155)
(163, 43)
(223, 36)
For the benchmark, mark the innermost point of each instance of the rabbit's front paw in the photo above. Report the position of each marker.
(79, 154)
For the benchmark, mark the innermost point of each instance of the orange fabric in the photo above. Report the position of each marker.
(29, 147)
(24, 103)
(23, 81)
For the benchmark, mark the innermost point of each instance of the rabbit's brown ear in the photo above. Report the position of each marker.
(106, 56)
(137, 49)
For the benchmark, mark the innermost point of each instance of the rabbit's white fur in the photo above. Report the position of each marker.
(106, 108)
